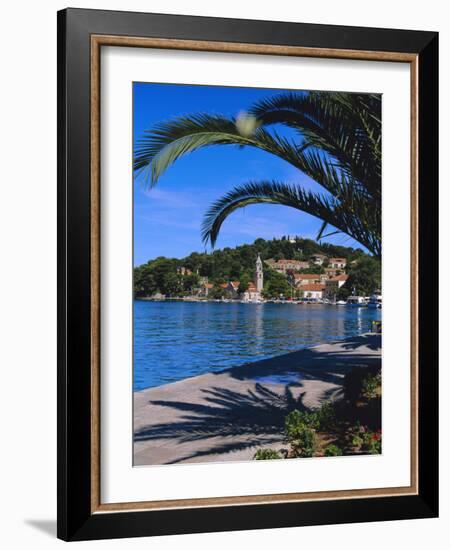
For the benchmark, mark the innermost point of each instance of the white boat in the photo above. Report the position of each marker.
(375, 301)
(341, 303)
(356, 301)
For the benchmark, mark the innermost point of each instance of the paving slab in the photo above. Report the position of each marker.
(228, 415)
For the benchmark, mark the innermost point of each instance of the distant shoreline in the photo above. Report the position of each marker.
(217, 301)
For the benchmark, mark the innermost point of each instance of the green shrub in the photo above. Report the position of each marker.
(326, 416)
(372, 442)
(266, 454)
(317, 419)
(365, 440)
(333, 450)
(300, 434)
(294, 418)
(370, 386)
(357, 441)
(361, 383)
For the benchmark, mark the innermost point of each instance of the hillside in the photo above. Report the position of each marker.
(176, 276)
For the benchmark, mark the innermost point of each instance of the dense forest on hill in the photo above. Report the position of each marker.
(233, 264)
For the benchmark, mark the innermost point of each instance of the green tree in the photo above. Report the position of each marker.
(238, 264)
(243, 283)
(171, 284)
(364, 278)
(217, 292)
(275, 285)
(313, 269)
(190, 282)
(144, 281)
(337, 143)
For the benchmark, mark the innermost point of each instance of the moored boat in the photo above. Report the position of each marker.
(375, 301)
(356, 301)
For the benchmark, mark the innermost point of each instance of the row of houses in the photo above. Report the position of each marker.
(316, 287)
(283, 266)
(325, 289)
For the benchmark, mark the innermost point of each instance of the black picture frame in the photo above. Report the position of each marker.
(75, 518)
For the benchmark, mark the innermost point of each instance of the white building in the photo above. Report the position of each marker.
(254, 290)
(283, 266)
(318, 259)
(314, 291)
(259, 274)
(334, 284)
(337, 263)
(301, 279)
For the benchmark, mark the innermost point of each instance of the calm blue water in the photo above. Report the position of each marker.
(175, 340)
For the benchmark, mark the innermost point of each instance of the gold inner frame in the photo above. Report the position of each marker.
(97, 41)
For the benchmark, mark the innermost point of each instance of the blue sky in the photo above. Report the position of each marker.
(168, 217)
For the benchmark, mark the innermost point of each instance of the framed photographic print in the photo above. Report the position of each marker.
(247, 274)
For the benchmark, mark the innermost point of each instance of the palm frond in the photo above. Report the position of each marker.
(164, 144)
(336, 123)
(328, 209)
(338, 146)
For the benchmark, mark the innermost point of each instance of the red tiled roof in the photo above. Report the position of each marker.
(313, 286)
(338, 260)
(339, 278)
(306, 276)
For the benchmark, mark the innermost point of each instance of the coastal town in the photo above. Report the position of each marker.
(263, 350)
(312, 287)
(317, 279)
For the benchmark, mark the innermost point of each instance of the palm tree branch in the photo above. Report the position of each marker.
(270, 192)
(332, 122)
(162, 146)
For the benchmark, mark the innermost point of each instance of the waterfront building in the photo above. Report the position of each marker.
(252, 294)
(300, 279)
(205, 288)
(259, 274)
(254, 289)
(334, 284)
(232, 288)
(315, 291)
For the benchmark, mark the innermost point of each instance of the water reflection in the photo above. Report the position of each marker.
(174, 340)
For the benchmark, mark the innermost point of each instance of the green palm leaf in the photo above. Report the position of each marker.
(338, 146)
(343, 216)
(160, 148)
(336, 123)
(164, 144)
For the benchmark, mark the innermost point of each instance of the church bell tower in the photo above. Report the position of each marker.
(259, 276)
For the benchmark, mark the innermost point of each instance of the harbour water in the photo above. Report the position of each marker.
(176, 340)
